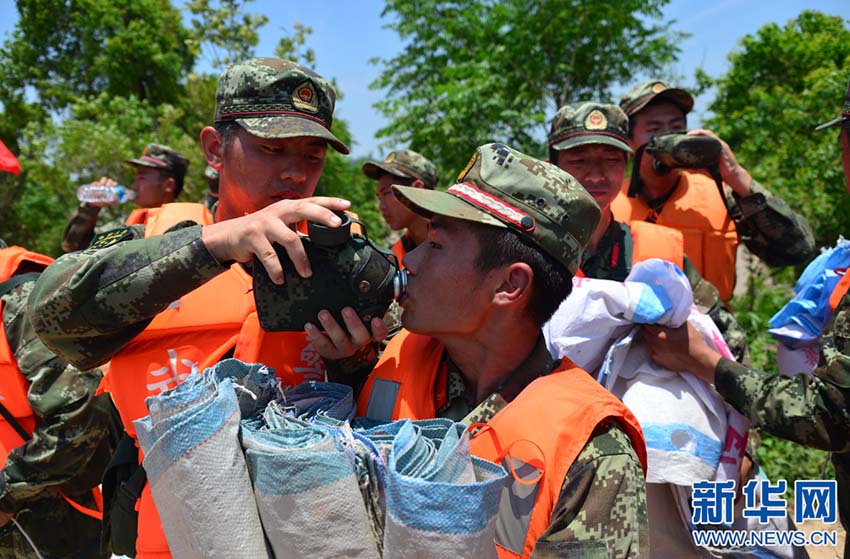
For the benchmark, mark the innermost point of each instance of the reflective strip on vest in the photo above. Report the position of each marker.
(516, 506)
(382, 399)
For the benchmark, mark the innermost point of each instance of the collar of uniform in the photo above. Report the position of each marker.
(538, 363)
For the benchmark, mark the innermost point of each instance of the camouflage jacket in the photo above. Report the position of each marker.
(612, 260)
(768, 227)
(771, 229)
(69, 449)
(810, 411)
(88, 305)
(601, 511)
(83, 226)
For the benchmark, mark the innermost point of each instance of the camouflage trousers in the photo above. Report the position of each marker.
(56, 529)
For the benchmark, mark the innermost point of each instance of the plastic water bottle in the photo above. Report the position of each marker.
(102, 194)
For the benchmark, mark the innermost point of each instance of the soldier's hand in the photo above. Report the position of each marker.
(5, 518)
(336, 342)
(103, 181)
(681, 349)
(731, 171)
(241, 238)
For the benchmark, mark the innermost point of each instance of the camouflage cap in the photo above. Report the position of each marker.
(404, 163)
(505, 188)
(845, 112)
(641, 94)
(589, 122)
(274, 98)
(162, 157)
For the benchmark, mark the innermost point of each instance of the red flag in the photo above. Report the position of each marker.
(8, 161)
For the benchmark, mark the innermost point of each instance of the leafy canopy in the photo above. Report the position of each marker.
(474, 71)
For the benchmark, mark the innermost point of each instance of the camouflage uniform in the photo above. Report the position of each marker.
(617, 242)
(69, 449)
(601, 510)
(90, 304)
(768, 227)
(590, 123)
(809, 411)
(602, 504)
(84, 224)
(408, 166)
(211, 197)
(813, 411)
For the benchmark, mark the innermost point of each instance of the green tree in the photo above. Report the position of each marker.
(87, 84)
(224, 33)
(474, 71)
(783, 81)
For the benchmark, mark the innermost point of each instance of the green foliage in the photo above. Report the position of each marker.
(225, 33)
(474, 71)
(87, 84)
(782, 83)
(767, 292)
(67, 49)
(342, 177)
(782, 459)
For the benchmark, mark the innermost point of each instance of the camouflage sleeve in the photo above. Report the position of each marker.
(80, 230)
(707, 299)
(601, 511)
(88, 305)
(771, 229)
(810, 411)
(69, 447)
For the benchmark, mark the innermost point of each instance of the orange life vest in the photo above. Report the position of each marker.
(839, 291)
(537, 437)
(192, 334)
(403, 246)
(14, 386)
(138, 216)
(650, 240)
(698, 212)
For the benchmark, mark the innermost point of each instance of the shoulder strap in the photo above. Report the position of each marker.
(15, 281)
(14, 423)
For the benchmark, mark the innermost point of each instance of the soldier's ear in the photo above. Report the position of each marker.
(170, 185)
(213, 145)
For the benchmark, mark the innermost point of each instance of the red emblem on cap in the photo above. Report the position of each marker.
(596, 118)
(306, 95)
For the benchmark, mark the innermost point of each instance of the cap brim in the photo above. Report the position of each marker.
(374, 170)
(680, 97)
(587, 139)
(428, 203)
(290, 127)
(143, 163)
(833, 122)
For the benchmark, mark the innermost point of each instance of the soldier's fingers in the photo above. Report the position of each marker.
(357, 330)
(262, 248)
(291, 243)
(337, 334)
(379, 329)
(318, 210)
(323, 344)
